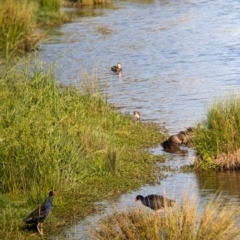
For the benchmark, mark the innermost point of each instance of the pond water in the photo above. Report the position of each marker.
(177, 58)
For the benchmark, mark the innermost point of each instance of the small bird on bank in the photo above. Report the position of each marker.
(117, 68)
(37, 217)
(156, 202)
(136, 115)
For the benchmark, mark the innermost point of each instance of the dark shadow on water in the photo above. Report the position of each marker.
(227, 182)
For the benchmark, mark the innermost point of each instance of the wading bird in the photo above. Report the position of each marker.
(155, 202)
(37, 217)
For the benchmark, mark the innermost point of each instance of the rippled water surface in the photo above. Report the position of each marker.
(177, 57)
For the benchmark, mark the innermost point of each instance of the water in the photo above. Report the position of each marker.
(177, 57)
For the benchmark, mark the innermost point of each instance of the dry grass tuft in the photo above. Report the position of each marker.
(229, 160)
(183, 222)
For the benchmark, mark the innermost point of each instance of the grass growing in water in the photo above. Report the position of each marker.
(180, 223)
(217, 138)
(54, 137)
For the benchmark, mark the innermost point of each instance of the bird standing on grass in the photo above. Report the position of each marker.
(136, 115)
(155, 202)
(37, 217)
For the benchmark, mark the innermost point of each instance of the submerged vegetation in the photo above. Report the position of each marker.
(54, 137)
(183, 222)
(217, 139)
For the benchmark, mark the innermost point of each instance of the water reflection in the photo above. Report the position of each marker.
(227, 182)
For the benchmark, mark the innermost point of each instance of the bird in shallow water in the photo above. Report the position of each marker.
(37, 217)
(136, 115)
(117, 68)
(155, 202)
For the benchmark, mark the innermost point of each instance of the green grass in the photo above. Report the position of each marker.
(17, 24)
(217, 139)
(183, 222)
(54, 137)
(50, 5)
(49, 13)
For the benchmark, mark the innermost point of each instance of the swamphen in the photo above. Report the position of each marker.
(155, 202)
(38, 216)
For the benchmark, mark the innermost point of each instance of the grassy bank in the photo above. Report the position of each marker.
(53, 137)
(217, 138)
(184, 222)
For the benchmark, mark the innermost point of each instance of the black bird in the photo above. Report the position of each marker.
(37, 217)
(117, 69)
(155, 202)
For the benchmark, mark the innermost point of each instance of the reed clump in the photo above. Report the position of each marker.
(183, 222)
(17, 27)
(217, 138)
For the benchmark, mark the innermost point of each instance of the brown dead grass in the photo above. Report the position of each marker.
(183, 222)
(228, 160)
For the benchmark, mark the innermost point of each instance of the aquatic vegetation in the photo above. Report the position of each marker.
(183, 222)
(217, 138)
(63, 138)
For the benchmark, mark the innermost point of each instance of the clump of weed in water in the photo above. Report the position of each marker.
(216, 139)
(183, 222)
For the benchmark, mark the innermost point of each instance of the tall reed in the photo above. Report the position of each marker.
(217, 137)
(17, 27)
